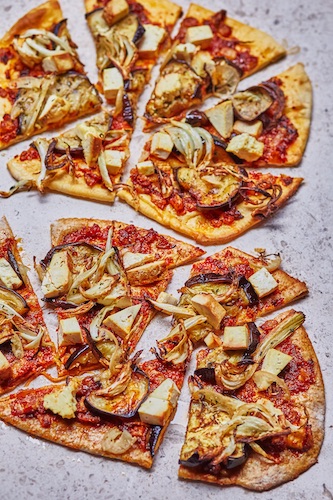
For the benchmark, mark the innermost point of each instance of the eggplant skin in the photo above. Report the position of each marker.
(248, 290)
(201, 279)
(206, 375)
(237, 460)
(154, 437)
(193, 461)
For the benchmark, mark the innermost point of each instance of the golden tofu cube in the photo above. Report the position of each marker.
(69, 332)
(222, 118)
(252, 128)
(146, 167)
(151, 40)
(206, 305)
(161, 145)
(236, 337)
(115, 10)
(263, 282)
(246, 147)
(200, 35)
(212, 341)
(58, 63)
(114, 160)
(112, 82)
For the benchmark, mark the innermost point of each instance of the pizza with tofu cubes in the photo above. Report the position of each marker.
(208, 57)
(129, 36)
(26, 349)
(42, 81)
(120, 412)
(100, 276)
(256, 417)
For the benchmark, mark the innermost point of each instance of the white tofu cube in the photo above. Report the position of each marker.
(167, 298)
(201, 61)
(62, 401)
(200, 35)
(155, 411)
(146, 167)
(263, 282)
(69, 332)
(57, 277)
(8, 276)
(58, 63)
(246, 147)
(212, 341)
(114, 160)
(131, 259)
(115, 10)
(185, 50)
(275, 361)
(167, 391)
(252, 128)
(122, 321)
(222, 118)
(206, 305)
(91, 140)
(151, 40)
(112, 82)
(161, 145)
(118, 296)
(5, 368)
(236, 337)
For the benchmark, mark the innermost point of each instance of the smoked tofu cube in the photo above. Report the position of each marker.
(8, 276)
(131, 259)
(151, 40)
(212, 341)
(252, 128)
(167, 298)
(146, 167)
(5, 368)
(118, 296)
(275, 361)
(148, 273)
(69, 332)
(200, 35)
(115, 10)
(246, 147)
(161, 145)
(206, 305)
(62, 401)
(222, 118)
(184, 51)
(263, 282)
(91, 140)
(236, 338)
(113, 82)
(167, 391)
(155, 411)
(114, 160)
(58, 63)
(57, 277)
(122, 321)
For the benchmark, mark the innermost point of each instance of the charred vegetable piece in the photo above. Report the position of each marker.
(76, 354)
(201, 279)
(275, 111)
(125, 404)
(196, 118)
(47, 259)
(248, 290)
(239, 456)
(13, 262)
(208, 196)
(251, 103)
(13, 299)
(153, 439)
(206, 375)
(193, 461)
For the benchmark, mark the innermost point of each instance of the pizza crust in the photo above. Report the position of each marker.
(259, 475)
(195, 225)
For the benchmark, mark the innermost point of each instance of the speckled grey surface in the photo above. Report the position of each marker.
(302, 232)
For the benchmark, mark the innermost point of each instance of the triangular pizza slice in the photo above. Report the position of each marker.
(85, 161)
(256, 417)
(25, 346)
(122, 412)
(100, 276)
(42, 81)
(209, 56)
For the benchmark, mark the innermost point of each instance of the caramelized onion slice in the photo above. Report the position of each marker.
(201, 279)
(13, 299)
(251, 103)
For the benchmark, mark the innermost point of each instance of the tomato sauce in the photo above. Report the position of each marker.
(9, 128)
(158, 370)
(93, 234)
(141, 240)
(278, 140)
(29, 154)
(5, 55)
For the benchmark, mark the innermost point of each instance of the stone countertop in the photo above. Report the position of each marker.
(301, 231)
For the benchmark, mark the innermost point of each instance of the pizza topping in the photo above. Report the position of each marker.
(245, 146)
(69, 332)
(147, 273)
(13, 299)
(5, 368)
(222, 118)
(62, 401)
(236, 337)
(115, 10)
(117, 441)
(161, 145)
(158, 407)
(251, 103)
(207, 306)
(122, 322)
(151, 40)
(8, 276)
(254, 128)
(199, 35)
(113, 83)
(263, 282)
(56, 280)
(166, 308)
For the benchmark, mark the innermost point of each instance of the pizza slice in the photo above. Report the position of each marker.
(129, 36)
(264, 125)
(122, 412)
(256, 417)
(25, 346)
(86, 161)
(42, 81)
(209, 56)
(213, 203)
(99, 276)
(230, 288)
